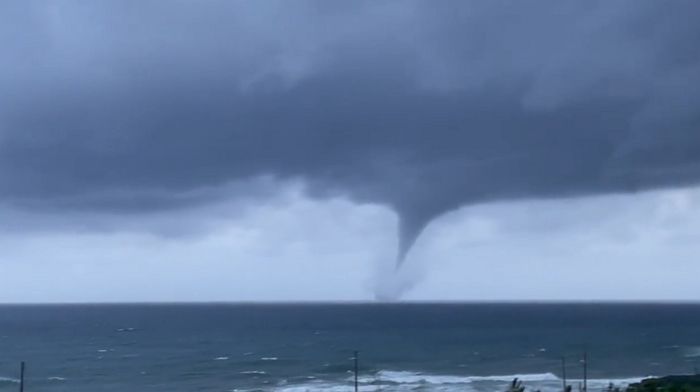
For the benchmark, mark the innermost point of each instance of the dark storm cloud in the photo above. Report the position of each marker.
(423, 106)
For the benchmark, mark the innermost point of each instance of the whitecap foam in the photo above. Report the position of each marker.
(331, 387)
(392, 380)
(221, 359)
(604, 382)
(408, 377)
(253, 372)
(9, 379)
(522, 377)
(56, 378)
(269, 358)
(407, 381)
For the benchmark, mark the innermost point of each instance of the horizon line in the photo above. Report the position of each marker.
(367, 302)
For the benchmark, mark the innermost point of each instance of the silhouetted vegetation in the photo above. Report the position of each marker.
(516, 386)
(667, 384)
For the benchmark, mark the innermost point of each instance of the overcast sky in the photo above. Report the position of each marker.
(334, 150)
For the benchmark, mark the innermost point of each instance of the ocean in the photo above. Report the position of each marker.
(309, 347)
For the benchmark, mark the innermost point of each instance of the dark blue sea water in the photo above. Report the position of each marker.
(467, 347)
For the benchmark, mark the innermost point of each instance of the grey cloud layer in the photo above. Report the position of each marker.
(422, 106)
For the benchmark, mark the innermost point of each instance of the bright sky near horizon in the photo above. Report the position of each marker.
(291, 248)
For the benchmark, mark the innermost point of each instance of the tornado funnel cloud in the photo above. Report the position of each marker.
(410, 228)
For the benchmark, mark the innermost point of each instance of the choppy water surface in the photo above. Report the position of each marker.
(442, 347)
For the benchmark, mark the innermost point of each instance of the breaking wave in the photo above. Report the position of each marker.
(4, 380)
(406, 377)
(691, 352)
(390, 380)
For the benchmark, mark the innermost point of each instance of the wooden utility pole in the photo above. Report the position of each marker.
(355, 359)
(563, 374)
(585, 372)
(21, 377)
